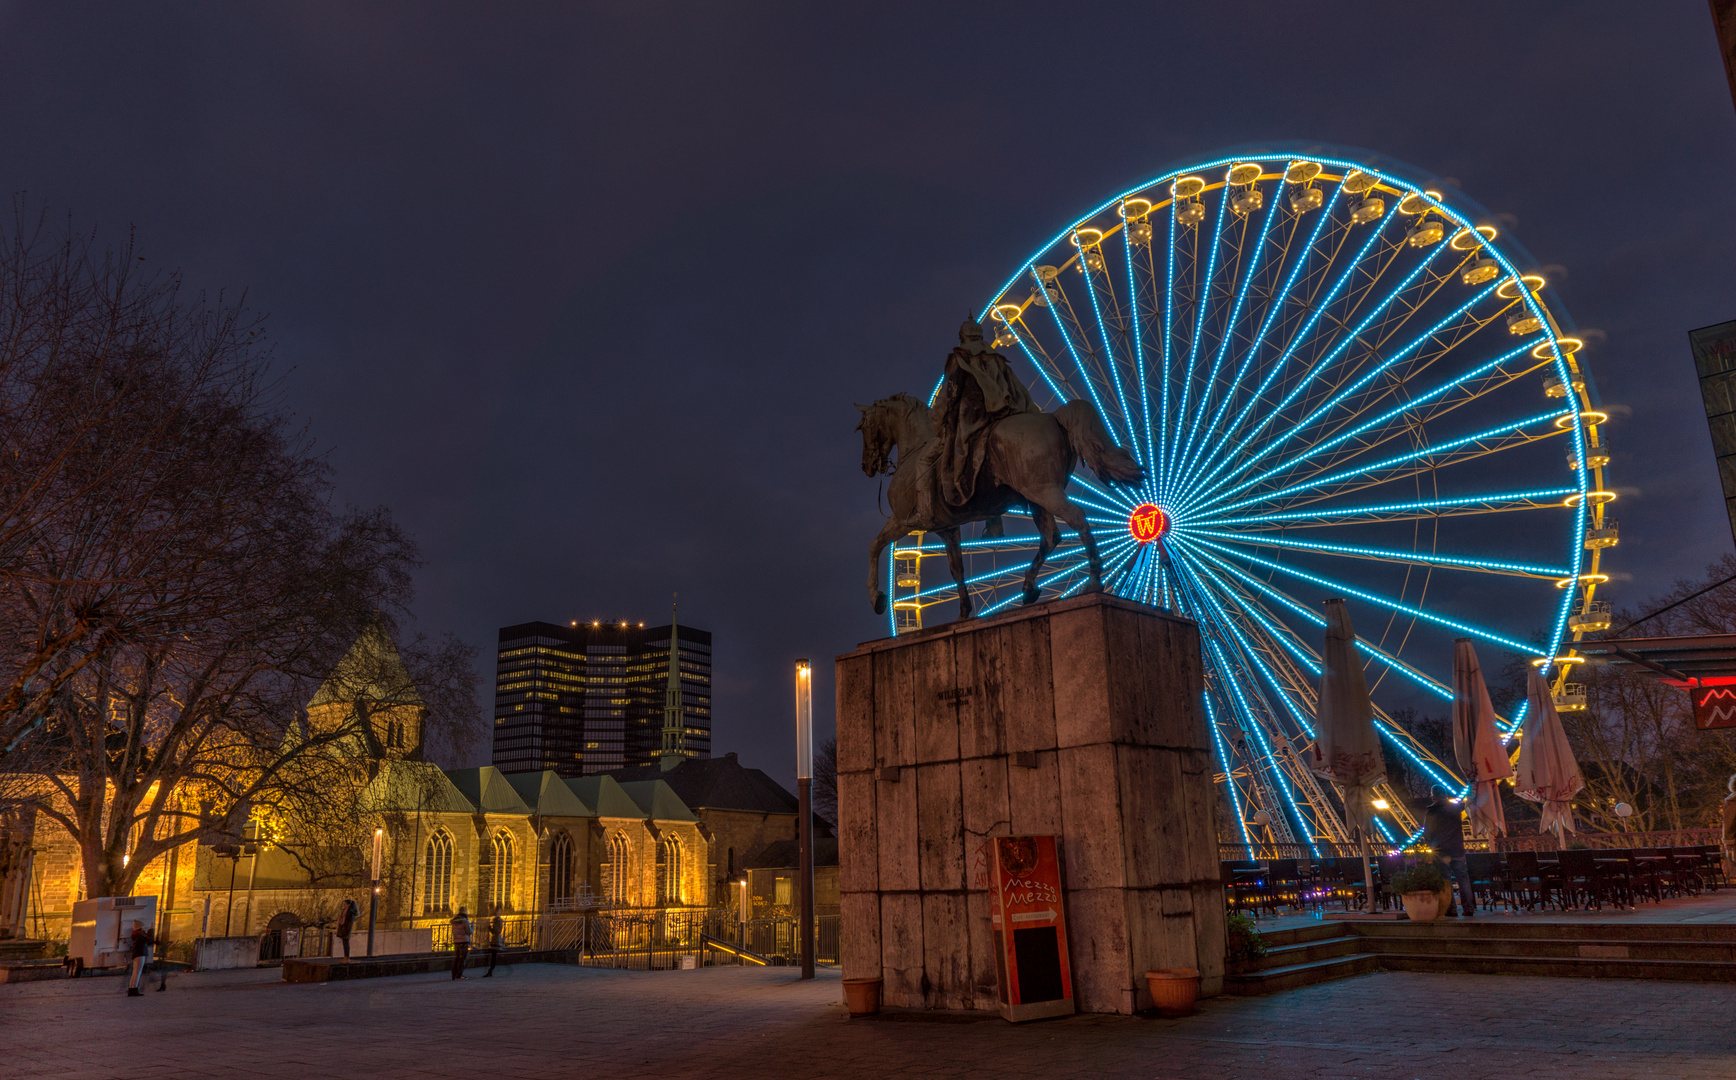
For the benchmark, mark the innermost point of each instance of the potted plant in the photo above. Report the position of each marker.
(1242, 944)
(1173, 990)
(1424, 890)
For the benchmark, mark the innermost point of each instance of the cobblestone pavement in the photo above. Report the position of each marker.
(557, 1021)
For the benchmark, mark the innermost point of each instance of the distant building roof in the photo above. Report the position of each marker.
(658, 800)
(548, 794)
(718, 784)
(415, 785)
(601, 793)
(487, 787)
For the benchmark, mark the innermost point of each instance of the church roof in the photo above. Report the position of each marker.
(372, 670)
(601, 793)
(718, 784)
(658, 800)
(548, 794)
(487, 788)
(415, 785)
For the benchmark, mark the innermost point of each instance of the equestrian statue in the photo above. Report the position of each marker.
(982, 449)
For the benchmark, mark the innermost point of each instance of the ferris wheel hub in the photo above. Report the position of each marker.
(1148, 522)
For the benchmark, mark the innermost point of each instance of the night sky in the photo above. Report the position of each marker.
(584, 292)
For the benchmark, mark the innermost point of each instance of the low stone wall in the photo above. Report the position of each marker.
(327, 970)
(226, 953)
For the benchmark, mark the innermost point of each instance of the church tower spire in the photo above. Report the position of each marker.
(674, 716)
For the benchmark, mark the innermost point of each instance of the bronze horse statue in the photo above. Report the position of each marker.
(1029, 458)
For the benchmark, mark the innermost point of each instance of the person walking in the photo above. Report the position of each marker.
(143, 941)
(347, 916)
(460, 942)
(495, 926)
(1443, 831)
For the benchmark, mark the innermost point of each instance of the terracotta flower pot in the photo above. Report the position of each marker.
(862, 996)
(1174, 990)
(1423, 906)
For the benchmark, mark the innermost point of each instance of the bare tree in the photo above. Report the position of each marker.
(174, 581)
(826, 781)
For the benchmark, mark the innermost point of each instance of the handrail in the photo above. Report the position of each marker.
(707, 941)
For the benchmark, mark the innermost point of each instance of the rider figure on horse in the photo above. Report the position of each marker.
(979, 389)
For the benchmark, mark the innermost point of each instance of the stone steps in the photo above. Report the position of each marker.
(1303, 956)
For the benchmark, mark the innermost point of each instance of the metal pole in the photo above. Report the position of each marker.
(805, 800)
(374, 894)
(229, 909)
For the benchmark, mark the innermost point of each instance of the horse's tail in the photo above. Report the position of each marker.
(1089, 439)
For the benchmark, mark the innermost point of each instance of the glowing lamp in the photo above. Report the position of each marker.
(1381, 804)
(1148, 522)
(1356, 181)
(1302, 172)
(1187, 187)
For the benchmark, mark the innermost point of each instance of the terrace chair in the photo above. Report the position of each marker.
(1489, 879)
(1284, 881)
(1689, 869)
(1619, 875)
(1525, 878)
(1712, 866)
(1344, 876)
(1386, 868)
(1580, 879)
(1659, 862)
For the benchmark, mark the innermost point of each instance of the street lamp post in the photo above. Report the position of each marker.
(374, 895)
(805, 798)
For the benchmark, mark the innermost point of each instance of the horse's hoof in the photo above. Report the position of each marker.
(879, 603)
(1031, 596)
(1095, 586)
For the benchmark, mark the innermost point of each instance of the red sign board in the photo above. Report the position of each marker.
(1030, 924)
(1714, 706)
(1147, 522)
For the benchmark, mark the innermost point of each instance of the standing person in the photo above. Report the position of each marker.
(143, 940)
(460, 942)
(495, 926)
(1443, 832)
(1727, 835)
(347, 916)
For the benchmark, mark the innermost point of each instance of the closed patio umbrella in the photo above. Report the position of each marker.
(1346, 748)
(1548, 774)
(1477, 742)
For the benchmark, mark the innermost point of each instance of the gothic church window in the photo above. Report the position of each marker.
(437, 882)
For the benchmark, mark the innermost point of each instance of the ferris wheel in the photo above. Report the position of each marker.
(1340, 384)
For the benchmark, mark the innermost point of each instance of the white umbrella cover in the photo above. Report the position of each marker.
(1346, 747)
(1477, 742)
(1548, 774)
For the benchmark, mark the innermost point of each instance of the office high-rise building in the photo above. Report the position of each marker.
(589, 697)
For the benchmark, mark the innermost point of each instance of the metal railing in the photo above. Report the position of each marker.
(1664, 838)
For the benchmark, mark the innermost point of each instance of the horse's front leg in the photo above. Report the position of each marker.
(955, 563)
(1049, 535)
(889, 532)
(1055, 501)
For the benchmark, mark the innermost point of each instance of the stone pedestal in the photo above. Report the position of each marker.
(1082, 718)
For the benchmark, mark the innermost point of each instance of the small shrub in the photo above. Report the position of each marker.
(1423, 877)
(1242, 939)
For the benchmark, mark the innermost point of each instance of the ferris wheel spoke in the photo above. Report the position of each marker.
(1109, 362)
(1375, 598)
(1280, 365)
(1479, 566)
(1136, 333)
(1043, 366)
(1309, 661)
(1203, 289)
(1246, 276)
(1274, 308)
(1280, 438)
(1493, 440)
(1421, 509)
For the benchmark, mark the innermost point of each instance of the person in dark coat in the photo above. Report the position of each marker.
(461, 934)
(347, 916)
(1444, 832)
(495, 926)
(143, 941)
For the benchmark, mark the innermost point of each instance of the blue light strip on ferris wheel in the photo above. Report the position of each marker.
(1278, 365)
(1380, 726)
(1399, 459)
(1138, 335)
(1204, 299)
(1243, 466)
(1229, 326)
(1253, 725)
(1350, 551)
(1276, 308)
(1229, 774)
(1208, 516)
(1168, 343)
(1391, 605)
(1109, 353)
(1410, 405)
